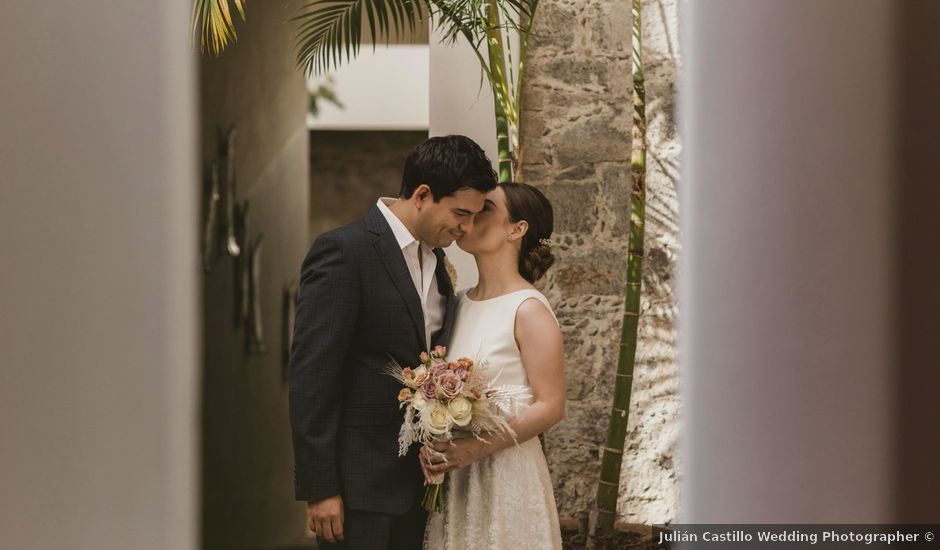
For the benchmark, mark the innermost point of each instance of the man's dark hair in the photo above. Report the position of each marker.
(447, 164)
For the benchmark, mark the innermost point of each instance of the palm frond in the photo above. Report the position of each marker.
(330, 31)
(213, 22)
(469, 18)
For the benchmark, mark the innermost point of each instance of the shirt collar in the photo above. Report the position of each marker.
(402, 235)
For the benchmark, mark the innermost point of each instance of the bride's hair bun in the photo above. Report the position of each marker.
(524, 202)
(537, 262)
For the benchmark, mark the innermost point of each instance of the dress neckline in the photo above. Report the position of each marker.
(471, 300)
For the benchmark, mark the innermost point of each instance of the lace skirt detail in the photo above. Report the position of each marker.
(502, 502)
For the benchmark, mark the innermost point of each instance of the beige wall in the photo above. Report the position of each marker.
(247, 465)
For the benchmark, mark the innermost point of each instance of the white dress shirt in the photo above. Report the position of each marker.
(422, 271)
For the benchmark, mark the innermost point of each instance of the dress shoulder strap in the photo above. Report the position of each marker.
(528, 293)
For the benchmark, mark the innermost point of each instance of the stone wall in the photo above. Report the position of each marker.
(577, 120)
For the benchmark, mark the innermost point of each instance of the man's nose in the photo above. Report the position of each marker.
(467, 225)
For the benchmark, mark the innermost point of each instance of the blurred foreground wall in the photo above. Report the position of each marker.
(98, 277)
(810, 267)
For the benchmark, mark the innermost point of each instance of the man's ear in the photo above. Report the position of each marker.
(422, 192)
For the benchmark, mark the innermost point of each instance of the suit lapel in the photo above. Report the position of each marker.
(387, 249)
(446, 288)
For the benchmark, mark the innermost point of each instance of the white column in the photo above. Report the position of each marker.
(98, 284)
(787, 275)
(460, 105)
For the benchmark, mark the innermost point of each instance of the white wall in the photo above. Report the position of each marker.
(98, 294)
(460, 105)
(385, 89)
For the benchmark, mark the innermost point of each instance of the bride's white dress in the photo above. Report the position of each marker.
(505, 500)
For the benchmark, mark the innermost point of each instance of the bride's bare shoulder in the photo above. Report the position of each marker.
(536, 313)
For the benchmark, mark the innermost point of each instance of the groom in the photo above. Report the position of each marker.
(374, 289)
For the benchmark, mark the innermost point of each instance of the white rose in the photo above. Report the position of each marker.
(436, 419)
(460, 409)
(418, 401)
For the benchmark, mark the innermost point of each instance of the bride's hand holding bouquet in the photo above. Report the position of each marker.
(444, 399)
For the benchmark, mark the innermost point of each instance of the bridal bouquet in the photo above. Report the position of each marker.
(442, 397)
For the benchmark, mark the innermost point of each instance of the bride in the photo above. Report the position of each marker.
(499, 493)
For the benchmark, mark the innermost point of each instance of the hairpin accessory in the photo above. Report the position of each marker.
(546, 242)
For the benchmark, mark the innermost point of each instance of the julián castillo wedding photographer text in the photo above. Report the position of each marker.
(788, 536)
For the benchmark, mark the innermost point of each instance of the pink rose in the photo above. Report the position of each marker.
(449, 384)
(428, 389)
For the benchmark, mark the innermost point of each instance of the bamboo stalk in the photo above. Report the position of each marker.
(518, 152)
(499, 84)
(612, 458)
